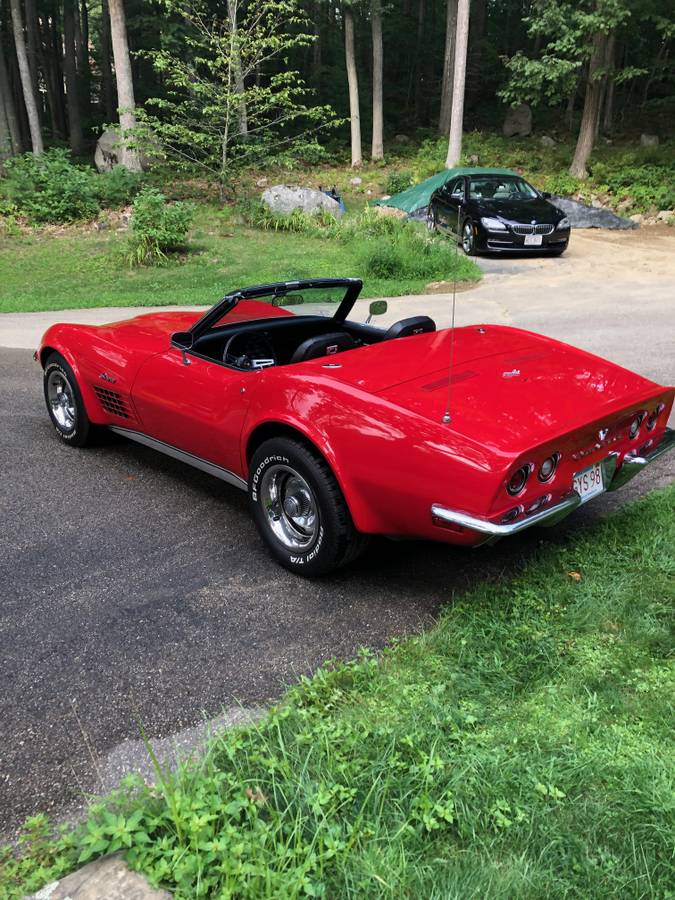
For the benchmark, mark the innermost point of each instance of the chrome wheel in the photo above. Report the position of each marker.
(467, 238)
(290, 506)
(61, 399)
(431, 220)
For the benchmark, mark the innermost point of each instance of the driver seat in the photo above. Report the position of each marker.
(323, 345)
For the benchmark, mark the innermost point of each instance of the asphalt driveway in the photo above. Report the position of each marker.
(134, 589)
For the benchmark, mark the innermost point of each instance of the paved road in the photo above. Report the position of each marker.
(135, 588)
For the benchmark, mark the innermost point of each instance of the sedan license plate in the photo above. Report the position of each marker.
(533, 240)
(588, 483)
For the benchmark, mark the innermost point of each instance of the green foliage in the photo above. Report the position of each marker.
(397, 182)
(233, 100)
(520, 748)
(51, 189)
(157, 227)
(649, 186)
(116, 188)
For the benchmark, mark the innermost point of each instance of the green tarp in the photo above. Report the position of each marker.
(418, 196)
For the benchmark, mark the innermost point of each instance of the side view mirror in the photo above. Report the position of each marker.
(546, 195)
(182, 339)
(376, 308)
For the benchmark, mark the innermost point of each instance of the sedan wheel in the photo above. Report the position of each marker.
(431, 218)
(468, 239)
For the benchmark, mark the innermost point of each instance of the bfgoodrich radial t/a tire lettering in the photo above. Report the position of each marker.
(64, 403)
(299, 510)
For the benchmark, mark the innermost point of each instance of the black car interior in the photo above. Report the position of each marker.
(295, 339)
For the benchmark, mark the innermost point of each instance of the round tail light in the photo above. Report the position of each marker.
(518, 480)
(548, 467)
(635, 425)
(652, 420)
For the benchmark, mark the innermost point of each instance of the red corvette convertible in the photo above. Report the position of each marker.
(339, 430)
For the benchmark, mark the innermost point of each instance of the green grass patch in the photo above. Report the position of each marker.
(520, 748)
(81, 267)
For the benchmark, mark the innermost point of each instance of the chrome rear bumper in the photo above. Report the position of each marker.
(614, 479)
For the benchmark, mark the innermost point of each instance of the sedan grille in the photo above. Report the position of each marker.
(112, 402)
(532, 229)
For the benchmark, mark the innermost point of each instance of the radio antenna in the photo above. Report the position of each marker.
(447, 418)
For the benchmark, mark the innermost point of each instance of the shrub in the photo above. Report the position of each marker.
(412, 253)
(116, 188)
(157, 227)
(397, 182)
(49, 188)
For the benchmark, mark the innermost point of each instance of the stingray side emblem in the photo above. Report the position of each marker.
(512, 374)
(105, 377)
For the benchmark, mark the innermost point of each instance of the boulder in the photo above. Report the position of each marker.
(546, 141)
(283, 200)
(106, 153)
(638, 218)
(649, 140)
(583, 216)
(108, 877)
(665, 215)
(518, 121)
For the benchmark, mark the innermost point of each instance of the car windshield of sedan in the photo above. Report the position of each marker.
(504, 187)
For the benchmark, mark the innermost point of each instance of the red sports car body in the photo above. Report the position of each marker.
(339, 429)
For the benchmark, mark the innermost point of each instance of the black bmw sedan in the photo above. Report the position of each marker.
(491, 212)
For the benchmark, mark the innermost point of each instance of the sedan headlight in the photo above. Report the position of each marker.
(563, 223)
(492, 224)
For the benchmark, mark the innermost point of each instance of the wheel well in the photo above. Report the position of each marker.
(277, 429)
(45, 353)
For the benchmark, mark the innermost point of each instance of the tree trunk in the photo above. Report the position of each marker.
(448, 68)
(607, 63)
(107, 90)
(419, 60)
(353, 82)
(608, 115)
(31, 47)
(126, 105)
(75, 136)
(83, 68)
(238, 77)
(26, 83)
(591, 111)
(475, 56)
(6, 146)
(9, 105)
(459, 77)
(377, 149)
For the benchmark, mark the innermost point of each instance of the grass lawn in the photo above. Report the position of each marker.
(79, 267)
(522, 748)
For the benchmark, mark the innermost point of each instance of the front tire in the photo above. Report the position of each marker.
(299, 510)
(468, 238)
(64, 403)
(431, 219)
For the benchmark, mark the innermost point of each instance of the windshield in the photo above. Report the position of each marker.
(502, 187)
(310, 301)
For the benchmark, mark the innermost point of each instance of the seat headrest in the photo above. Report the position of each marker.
(323, 345)
(406, 327)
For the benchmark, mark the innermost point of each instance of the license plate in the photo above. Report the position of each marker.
(588, 483)
(533, 240)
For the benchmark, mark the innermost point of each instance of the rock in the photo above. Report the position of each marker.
(649, 140)
(473, 159)
(283, 199)
(624, 204)
(665, 215)
(106, 153)
(369, 192)
(518, 121)
(583, 216)
(638, 218)
(546, 141)
(596, 204)
(402, 139)
(355, 180)
(101, 226)
(261, 182)
(391, 211)
(108, 878)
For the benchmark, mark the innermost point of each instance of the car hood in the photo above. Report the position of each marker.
(510, 389)
(523, 211)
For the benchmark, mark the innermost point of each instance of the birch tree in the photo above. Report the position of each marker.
(353, 84)
(26, 80)
(377, 148)
(458, 82)
(126, 105)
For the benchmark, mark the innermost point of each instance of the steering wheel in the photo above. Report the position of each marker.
(249, 350)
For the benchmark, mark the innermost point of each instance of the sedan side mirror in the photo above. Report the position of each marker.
(546, 195)
(182, 339)
(376, 308)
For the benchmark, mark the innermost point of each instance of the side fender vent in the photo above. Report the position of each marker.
(112, 402)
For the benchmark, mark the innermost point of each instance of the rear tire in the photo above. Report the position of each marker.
(64, 403)
(299, 510)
